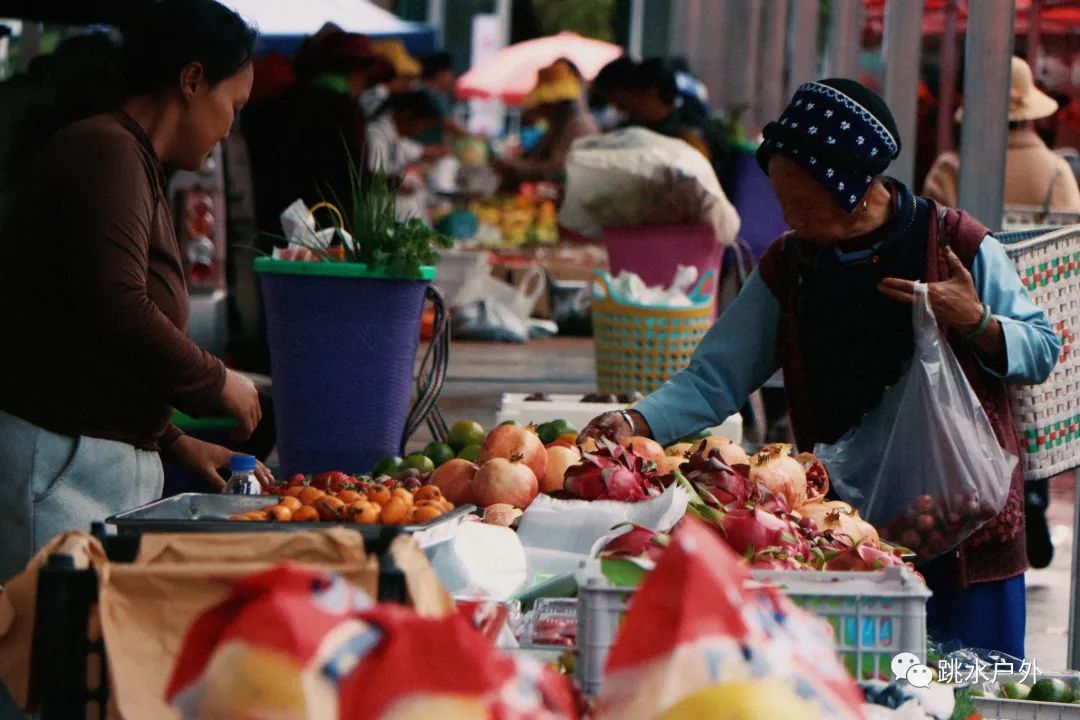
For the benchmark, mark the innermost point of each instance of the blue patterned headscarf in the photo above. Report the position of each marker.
(838, 131)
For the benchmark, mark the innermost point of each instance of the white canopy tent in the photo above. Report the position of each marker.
(283, 24)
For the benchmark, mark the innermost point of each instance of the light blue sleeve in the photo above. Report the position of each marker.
(736, 356)
(1031, 345)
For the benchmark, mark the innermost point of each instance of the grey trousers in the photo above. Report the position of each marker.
(52, 483)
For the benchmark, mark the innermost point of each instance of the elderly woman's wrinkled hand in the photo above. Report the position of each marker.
(954, 301)
(610, 425)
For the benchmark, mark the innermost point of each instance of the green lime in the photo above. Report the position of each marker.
(464, 433)
(389, 465)
(470, 453)
(976, 692)
(1015, 690)
(508, 422)
(419, 462)
(549, 432)
(439, 452)
(1051, 690)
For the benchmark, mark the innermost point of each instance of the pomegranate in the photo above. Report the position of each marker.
(504, 481)
(510, 442)
(454, 478)
(645, 447)
(841, 518)
(669, 464)
(679, 450)
(559, 459)
(730, 452)
(780, 473)
(501, 514)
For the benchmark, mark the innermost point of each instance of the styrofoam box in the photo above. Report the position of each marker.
(515, 407)
(1002, 709)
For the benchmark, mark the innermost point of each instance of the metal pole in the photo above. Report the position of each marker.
(984, 137)
(774, 26)
(902, 47)
(1034, 34)
(1074, 600)
(803, 38)
(947, 79)
(436, 17)
(504, 11)
(845, 39)
(637, 28)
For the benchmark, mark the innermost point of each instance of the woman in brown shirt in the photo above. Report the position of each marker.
(95, 303)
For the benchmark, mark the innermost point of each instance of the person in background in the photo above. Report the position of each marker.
(557, 99)
(94, 288)
(406, 74)
(607, 93)
(649, 96)
(830, 304)
(437, 80)
(392, 146)
(1034, 175)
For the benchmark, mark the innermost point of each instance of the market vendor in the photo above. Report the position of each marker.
(94, 296)
(830, 304)
(557, 99)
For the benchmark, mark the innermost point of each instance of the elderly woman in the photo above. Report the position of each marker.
(830, 304)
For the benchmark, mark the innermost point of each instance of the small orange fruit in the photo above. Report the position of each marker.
(394, 512)
(404, 495)
(310, 494)
(294, 491)
(280, 513)
(428, 492)
(329, 508)
(364, 512)
(425, 513)
(348, 496)
(290, 502)
(305, 514)
(378, 494)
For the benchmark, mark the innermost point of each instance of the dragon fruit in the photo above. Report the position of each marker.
(611, 473)
(638, 542)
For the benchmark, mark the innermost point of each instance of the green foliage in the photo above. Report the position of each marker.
(591, 18)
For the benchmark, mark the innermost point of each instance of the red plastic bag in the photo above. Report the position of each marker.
(699, 637)
(292, 644)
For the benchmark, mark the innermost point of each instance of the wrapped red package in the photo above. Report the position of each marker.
(298, 644)
(700, 638)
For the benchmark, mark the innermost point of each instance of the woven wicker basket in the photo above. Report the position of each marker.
(1023, 217)
(639, 347)
(1048, 415)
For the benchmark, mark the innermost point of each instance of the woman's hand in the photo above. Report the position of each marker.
(613, 426)
(207, 458)
(240, 399)
(954, 301)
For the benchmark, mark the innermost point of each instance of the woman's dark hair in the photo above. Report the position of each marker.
(418, 104)
(436, 63)
(171, 34)
(654, 73)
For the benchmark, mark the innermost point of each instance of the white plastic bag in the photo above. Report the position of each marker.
(924, 467)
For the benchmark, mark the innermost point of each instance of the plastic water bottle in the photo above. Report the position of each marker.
(243, 480)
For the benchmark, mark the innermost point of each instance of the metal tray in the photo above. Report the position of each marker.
(209, 512)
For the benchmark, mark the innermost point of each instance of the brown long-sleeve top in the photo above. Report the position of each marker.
(93, 301)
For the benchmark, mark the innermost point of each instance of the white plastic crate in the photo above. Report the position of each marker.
(1001, 709)
(515, 407)
(874, 616)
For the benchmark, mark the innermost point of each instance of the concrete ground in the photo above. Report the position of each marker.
(481, 372)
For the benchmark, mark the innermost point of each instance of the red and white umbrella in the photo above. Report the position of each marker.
(510, 73)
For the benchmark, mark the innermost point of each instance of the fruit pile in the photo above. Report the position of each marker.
(338, 497)
(1054, 690)
(932, 525)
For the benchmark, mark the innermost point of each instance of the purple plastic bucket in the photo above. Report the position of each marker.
(342, 350)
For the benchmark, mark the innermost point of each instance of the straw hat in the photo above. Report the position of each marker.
(554, 84)
(405, 65)
(1026, 102)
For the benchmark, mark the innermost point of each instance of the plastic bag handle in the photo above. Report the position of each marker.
(927, 332)
(605, 281)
